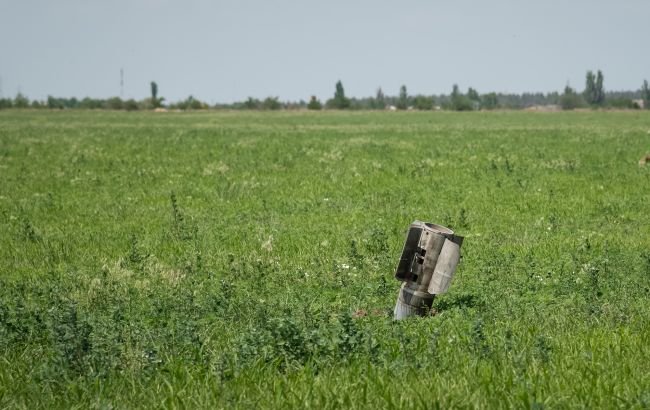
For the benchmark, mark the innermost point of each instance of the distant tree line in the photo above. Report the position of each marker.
(594, 95)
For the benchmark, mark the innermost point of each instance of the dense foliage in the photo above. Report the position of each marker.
(245, 260)
(594, 95)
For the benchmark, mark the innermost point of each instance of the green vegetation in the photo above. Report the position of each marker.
(594, 92)
(340, 101)
(458, 101)
(314, 103)
(423, 103)
(594, 95)
(220, 259)
(155, 102)
(489, 101)
(570, 100)
(379, 102)
(21, 101)
(403, 99)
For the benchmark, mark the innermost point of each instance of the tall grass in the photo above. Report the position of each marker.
(217, 260)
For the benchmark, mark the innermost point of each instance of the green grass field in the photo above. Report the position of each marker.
(215, 260)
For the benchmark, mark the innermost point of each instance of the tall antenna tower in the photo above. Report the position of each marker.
(121, 82)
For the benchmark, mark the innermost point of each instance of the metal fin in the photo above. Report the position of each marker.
(445, 266)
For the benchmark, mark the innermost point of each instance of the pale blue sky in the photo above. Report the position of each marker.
(222, 51)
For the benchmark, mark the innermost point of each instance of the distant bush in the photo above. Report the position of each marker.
(91, 103)
(424, 103)
(314, 103)
(570, 99)
(190, 103)
(340, 101)
(5, 103)
(645, 94)
(115, 103)
(197, 104)
(623, 103)
(379, 102)
(458, 101)
(131, 105)
(403, 99)
(61, 103)
(21, 101)
(271, 103)
(252, 104)
(489, 101)
(54, 103)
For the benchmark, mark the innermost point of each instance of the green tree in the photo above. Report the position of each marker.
(590, 87)
(252, 103)
(91, 103)
(61, 103)
(623, 103)
(155, 101)
(192, 103)
(20, 101)
(271, 103)
(594, 94)
(600, 90)
(645, 93)
(570, 100)
(458, 101)
(403, 99)
(314, 103)
(379, 102)
(489, 101)
(474, 98)
(131, 105)
(340, 101)
(113, 103)
(424, 103)
(54, 103)
(472, 94)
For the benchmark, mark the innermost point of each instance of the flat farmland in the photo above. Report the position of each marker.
(246, 259)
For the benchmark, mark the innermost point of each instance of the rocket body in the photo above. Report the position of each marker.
(426, 267)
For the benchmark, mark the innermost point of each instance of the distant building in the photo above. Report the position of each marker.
(638, 102)
(544, 108)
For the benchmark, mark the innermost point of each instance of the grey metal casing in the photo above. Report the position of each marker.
(429, 258)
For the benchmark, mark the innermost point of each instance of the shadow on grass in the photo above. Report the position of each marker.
(462, 301)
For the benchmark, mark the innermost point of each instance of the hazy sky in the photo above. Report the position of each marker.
(221, 51)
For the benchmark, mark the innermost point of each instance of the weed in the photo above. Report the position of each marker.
(29, 232)
(479, 341)
(543, 349)
(111, 297)
(182, 229)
